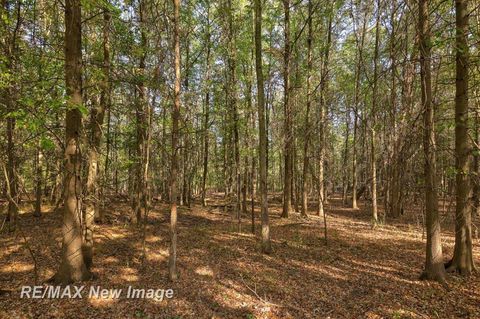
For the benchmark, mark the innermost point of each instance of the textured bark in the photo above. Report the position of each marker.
(262, 150)
(462, 261)
(72, 266)
(172, 261)
(287, 108)
(434, 269)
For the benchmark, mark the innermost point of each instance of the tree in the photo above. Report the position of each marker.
(172, 261)
(287, 108)
(266, 245)
(373, 122)
(10, 54)
(207, 108)
(434, 269)
(72, 265)
(322, 123)
(462, 260)
(307, 112)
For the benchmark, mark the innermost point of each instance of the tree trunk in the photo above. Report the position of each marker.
(140, 199)
(373, 122)
(358, 69)
(322, 120)
(266, 245)
(288, 151)
(462, 261)
(207, 113)
(434, 269)
(38, 182)
(10, 52)
(307, 112)
(72, 266)
(172, 261)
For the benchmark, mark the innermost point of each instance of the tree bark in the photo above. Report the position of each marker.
(434, 269)
(140, 198)
(266, 244)
(304, 209)
(322, 120)
(172, 261)
(38, 182)
(358, 70)
(207, 113)
(462, 261)
(288, 151)
(72, 266)
(373, 121)
(9, 43)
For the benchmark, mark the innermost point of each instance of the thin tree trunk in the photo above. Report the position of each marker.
(266, 245)
(373, 122)
(355, 110)
(10, 52)
(307, 112)
(345, 176)
(322, 120)
(139, 200)
(172, 261)
(38, 182)
(207, 113)
(288, 151)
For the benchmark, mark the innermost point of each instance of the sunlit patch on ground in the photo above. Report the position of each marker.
(362, 273)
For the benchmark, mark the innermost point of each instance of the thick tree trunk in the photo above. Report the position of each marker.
(434, 269)
(462, 261)
(72, 266)
(262, 149)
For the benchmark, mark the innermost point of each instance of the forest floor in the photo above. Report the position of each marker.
(361, 273)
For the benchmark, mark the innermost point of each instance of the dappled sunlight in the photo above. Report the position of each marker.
(224, 275)
(204, 271)
(16, 267)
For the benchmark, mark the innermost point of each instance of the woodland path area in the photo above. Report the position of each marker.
(362, 273)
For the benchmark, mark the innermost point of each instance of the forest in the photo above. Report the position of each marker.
(239, 159)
